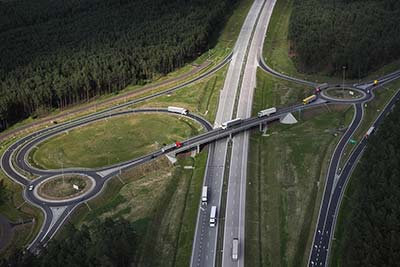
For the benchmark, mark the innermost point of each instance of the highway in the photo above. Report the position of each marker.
(236, 195)
(205, 241)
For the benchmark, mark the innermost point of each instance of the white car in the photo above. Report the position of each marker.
(30, 188)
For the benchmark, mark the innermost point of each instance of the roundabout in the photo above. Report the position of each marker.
(64, 187)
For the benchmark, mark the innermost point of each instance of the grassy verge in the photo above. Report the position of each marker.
(371, 111)
(272, 91)
(200, 98)
(161, 200)
(16, 210)
(277, 52)
(113, 140)
(287, 169)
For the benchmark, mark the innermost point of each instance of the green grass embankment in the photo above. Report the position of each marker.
(287, 169)
(113, 140)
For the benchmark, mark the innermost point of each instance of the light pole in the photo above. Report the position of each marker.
(344, 75)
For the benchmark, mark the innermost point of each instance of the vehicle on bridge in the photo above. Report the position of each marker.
(178, 110)
(167, 148)
(266, 112)
(230, 123)
(376, 82)
(213, 216)
(178, 144)
(204, 193)
(370, 131)
(321, 87)
(309, 99)
(235, 249)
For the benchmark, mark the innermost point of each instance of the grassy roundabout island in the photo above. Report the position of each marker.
(112, 140)
(345, 93)
(64, 186)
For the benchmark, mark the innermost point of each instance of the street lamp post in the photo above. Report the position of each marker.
(344, 75)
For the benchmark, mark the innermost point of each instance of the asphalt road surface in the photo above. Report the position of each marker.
(205, 241)
(236, 195)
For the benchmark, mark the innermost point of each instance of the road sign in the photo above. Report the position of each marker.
(352, 141)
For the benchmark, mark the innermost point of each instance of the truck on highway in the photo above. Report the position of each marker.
(235, 249)
(309, 99)
(204, 194)
(370, 131)
(213, 216)
(266, 112)
(230, 123)
(178, 110)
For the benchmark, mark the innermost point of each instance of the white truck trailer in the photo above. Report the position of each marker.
(204, 193)
(213, 216)
(370, 131)
(235, 249)
(230, 123)
(178, 110)
(266, 112)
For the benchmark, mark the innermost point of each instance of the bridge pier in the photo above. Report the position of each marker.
(171, 157)
(263, 127)
(288, 118)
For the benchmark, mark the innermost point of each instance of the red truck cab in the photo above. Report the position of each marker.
(178, 144)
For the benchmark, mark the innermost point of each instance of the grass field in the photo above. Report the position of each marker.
(113, 140)
(200, 98)
(286, 176)
(161, 200)
(271, 91)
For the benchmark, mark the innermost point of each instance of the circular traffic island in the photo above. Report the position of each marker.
(65, 187)
(343, 93)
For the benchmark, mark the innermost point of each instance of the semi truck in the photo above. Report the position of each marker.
(266, 112)
(230, 123)
(178, 110)
(235, 249)
(370, 131)
(309, 99)
(170, 147)
(204, 193)
(213, 216)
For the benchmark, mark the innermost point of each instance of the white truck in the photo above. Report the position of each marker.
(178, 110)
(230, 123)
(204, 193)
(235, 249)
(266, 112)
(213, 216)
(369, 132)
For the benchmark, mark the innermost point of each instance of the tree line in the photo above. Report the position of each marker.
(360, 35)
(55, 53)
(105, 243)
(372, 229)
